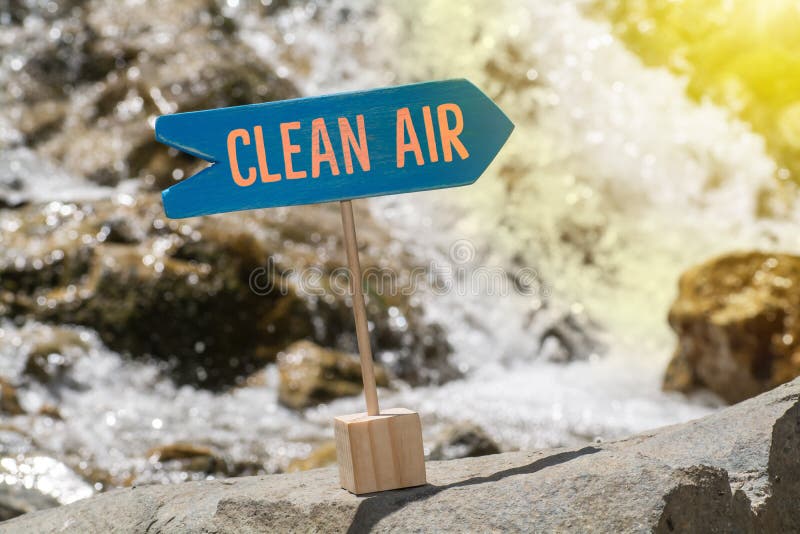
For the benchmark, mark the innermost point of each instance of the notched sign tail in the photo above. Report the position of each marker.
(414, 137)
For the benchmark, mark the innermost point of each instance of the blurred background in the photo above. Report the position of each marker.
(637, 232)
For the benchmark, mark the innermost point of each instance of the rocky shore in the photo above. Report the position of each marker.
(135, 349)
(735, 471)
(245, 286)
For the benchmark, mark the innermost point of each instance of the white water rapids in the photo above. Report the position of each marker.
(612, 183)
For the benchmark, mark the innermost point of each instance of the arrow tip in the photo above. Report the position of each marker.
(504, 122)
(496, 126)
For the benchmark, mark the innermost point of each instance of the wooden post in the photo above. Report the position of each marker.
(359, 310)
(375, 451)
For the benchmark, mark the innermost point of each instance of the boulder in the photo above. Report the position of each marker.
(52, 354)
(737, 318)
(9, 401)
(192, 457)
(88, 96)
(216, 298)
(734, 471)
(463, 441)
(310, 375)
(183, 461)
(178, 451)
(320, 456)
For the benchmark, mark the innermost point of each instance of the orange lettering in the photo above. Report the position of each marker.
(237, 175)
(426, 115)
(289, 149)
(262, 157)
(404, 123)
(320, 131)
(349, 142)
(450, 135)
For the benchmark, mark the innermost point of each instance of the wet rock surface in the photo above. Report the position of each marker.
(87, 94)
(734, 471)
(197, 458)
(310, 375)
(9, 400)
(17, 500)
(215, 298)
(463, 441)
(27, 476)
(737, 318)
(49, 359)
(321, 456)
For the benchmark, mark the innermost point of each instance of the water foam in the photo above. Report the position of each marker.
(612, 183)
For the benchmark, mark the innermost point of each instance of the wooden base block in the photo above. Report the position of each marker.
(380, 452)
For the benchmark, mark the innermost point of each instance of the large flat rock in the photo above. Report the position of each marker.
(735, 471)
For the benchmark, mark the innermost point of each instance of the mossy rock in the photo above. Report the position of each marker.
(737, 318)
(311, 375)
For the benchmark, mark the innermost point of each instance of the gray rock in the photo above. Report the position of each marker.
(463, 441)
(734, 471)
(16, 500)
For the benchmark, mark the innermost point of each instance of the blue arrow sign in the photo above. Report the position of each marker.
(335, 147)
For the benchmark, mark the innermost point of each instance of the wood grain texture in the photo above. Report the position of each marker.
(378, 453)
(247, 141)
(359, 310)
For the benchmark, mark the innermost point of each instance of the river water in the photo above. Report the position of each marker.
(612, 183)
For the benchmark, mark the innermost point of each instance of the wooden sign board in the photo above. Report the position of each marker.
(336, 147)
(342, 147)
